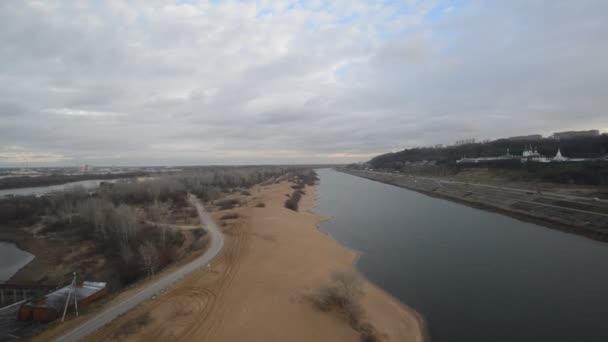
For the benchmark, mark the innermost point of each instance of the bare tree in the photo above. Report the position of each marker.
(125, 223)
(148, 254)
(154, 211)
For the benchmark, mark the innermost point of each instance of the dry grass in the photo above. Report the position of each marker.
(343, 296)
(131, 326)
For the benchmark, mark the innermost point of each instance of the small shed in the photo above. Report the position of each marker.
(51, 305)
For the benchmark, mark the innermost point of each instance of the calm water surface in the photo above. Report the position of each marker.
(42, 190)
(474, 275)
(12, 259)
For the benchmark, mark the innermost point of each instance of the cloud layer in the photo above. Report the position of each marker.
(236, 82)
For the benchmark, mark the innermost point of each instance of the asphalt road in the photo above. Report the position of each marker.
(109, 314)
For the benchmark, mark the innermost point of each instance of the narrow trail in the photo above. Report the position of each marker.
(109, 314)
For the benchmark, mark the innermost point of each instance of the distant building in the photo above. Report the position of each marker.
(558, 156)
(531, 154)
(526, 137)
(464, 142)
(504, 157)
(576, 134)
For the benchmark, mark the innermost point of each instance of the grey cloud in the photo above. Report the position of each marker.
(207, 83)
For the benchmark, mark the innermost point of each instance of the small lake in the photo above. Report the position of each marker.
(474, 275)
(42, 190)
(12, 259)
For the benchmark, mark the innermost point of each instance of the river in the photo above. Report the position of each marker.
(12, 259)
(42, 190)
(474, 275)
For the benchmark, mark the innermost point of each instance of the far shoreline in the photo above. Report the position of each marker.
(518, 215)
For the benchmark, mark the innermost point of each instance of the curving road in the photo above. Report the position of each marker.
(109, 314)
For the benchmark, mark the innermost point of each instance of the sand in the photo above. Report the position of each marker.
(257, 289)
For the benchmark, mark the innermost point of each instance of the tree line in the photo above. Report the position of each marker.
(107, 216)
(576, 147)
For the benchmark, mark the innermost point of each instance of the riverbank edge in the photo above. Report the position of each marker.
(22, 243)
(518, 215)
(19, 246)
(95, 177)
(422, 323)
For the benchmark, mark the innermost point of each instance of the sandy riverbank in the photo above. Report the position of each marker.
(257, 288)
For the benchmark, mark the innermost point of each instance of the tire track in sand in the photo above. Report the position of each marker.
(232, 260)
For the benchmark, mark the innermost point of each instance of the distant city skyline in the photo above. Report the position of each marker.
(277, 82)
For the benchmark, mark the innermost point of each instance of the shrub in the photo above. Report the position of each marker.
(245, 193)
(230, 216)
(199, 232)
(227, 204)
(292, 202)
(343, 295)
(260, 205)
(368, 333)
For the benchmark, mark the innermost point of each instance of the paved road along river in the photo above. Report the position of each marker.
(106, 316)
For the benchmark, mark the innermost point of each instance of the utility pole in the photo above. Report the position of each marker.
(67, 302)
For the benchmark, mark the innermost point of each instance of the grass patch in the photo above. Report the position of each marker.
(132, 326)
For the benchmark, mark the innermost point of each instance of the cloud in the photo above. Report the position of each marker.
(201, 82)
(77, 112)
(17, 155)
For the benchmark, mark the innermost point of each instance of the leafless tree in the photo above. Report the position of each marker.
(148, 254)
(125, 222)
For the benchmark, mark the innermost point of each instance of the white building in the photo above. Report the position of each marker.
(558, 156)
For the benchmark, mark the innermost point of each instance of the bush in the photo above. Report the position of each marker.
(260, 205)
(343, 295)
(245, 193)
(230, 216)
(227, 204)
(199, 232)
(368, 333)
(292, 202)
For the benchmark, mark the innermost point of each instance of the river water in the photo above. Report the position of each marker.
(474, 275)
(42, 190)
(12, 259)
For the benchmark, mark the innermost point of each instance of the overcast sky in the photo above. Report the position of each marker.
(240, 82)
